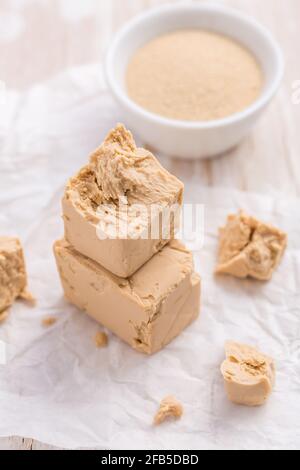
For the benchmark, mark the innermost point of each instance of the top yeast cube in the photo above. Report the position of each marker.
(123, 207)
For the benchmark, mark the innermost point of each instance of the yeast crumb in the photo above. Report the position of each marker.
(28, 297)
(49, 321)
(170, 407)
(101, 339)
(4, 316)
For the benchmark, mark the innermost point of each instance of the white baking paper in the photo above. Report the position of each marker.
(56, 386)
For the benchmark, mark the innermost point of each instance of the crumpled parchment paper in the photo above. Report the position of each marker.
(56, 386)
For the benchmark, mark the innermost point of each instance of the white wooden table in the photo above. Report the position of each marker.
(40, 38)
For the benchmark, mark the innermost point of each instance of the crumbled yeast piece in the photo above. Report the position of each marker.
(101, 339)
(13, 277)
(169, 408)
(28, 297)
(249, 375)
(4, 316)
(249, 247)
(49, 321)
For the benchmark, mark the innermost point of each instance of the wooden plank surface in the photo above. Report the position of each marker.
(42, 37)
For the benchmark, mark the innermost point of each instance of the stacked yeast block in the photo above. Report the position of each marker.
(119, 261)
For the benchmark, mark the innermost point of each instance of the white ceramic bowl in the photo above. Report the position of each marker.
(182, 138)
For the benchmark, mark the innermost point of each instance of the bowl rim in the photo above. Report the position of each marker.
(219, 9)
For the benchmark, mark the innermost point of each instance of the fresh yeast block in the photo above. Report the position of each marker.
(123, 207)
(147, 310)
